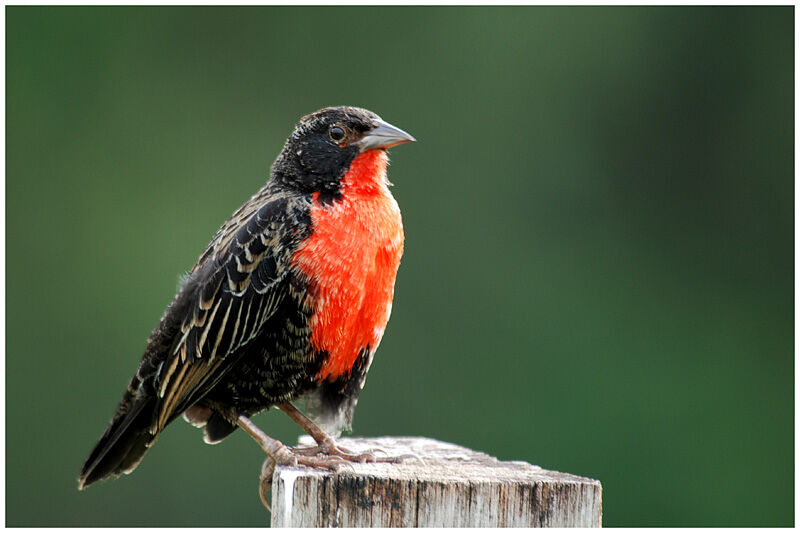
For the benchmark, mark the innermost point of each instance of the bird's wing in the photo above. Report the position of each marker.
(236, 286)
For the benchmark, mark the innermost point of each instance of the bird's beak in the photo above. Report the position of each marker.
(383, 135)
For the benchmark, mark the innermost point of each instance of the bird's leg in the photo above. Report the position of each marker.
(316, 432)
(325, 443)
(279, 454)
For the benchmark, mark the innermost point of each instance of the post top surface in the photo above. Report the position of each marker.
(442, 462)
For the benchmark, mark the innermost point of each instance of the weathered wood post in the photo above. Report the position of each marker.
(454, 487)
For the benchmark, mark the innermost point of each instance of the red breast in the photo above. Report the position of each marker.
(351, 260)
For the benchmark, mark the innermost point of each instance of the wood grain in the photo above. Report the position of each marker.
(454, 487)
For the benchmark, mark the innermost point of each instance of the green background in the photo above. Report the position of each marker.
(598, 275)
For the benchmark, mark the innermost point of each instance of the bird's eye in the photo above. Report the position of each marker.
(336, 134)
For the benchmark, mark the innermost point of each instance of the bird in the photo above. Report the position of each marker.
(288, 303)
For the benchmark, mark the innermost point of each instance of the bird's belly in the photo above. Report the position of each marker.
(351, 262)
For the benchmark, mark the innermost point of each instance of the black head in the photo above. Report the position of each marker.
(319, 151)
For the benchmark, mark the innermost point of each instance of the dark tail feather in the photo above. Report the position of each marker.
(124, 442)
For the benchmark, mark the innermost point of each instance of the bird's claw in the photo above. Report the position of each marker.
(287, 457)
(327, 455)
(331, 449)
(265, 480)
(411, 456)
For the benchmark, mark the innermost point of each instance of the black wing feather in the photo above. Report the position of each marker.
(225, 300)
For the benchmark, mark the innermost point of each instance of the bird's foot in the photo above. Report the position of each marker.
(326, 446)
(327, 455)
(329, 448)
(291, 457)
(265, 481)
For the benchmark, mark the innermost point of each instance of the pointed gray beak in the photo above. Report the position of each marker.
(383, 135)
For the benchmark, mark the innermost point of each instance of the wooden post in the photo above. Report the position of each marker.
(455, 487)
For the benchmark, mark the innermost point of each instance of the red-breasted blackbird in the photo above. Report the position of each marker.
(290, 299)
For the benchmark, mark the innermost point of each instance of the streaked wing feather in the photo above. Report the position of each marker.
(234, 290)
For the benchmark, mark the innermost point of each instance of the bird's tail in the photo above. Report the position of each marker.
(125, 440)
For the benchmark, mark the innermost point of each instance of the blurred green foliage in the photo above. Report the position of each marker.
(598, 274)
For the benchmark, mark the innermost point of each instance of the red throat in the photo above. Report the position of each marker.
(351, 260)
(367, 173)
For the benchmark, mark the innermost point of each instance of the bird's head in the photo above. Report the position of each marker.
(322, 146)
